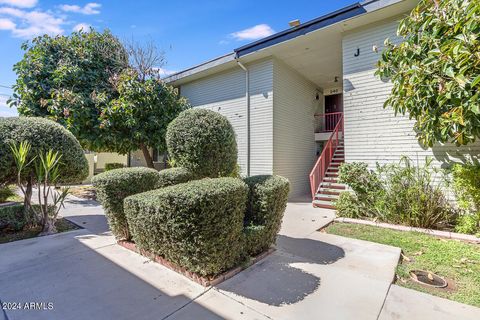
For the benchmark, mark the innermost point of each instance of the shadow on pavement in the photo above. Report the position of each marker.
(276, 281)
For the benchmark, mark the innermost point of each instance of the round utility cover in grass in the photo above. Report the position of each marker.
(203, 141)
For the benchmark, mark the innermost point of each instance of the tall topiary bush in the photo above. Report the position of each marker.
(114, 186)
(267, 200)
(203, 141)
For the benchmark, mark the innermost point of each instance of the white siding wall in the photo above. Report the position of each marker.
(374, 134)
(225, 93)
(294, 106)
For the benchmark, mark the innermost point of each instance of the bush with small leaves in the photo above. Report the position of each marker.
(114, 186)
(203, 141)
(173, 176)
(266, 204)
(197, 225)
(42, 134)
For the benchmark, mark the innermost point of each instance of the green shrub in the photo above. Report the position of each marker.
(12, 217)
(413, 197)
(114, 186)
(466, 184)
(348, 206)
(173, 176)
(197, 225)
(202, 141)
(397, 193)
(267, 200)
(43, 135)
(368, 192)
(112, 166)
(468, 223)
(6, 193)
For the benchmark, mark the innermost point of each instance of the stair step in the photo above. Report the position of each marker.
(341, 160)
(323, 204)
(326, 197)
(329, 185)
(335, 164)
(326, 191)
(331, 174)
(330, 179)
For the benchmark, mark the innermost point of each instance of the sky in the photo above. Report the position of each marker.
(189, 32)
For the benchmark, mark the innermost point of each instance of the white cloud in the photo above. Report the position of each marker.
(28, 24)
(7, 24)
(85, 27)
(20, 3)
(164, 72)
(89, 8)
(257, 32)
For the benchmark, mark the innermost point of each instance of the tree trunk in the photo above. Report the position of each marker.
(48, 227)
(147, 155)
(27, 211)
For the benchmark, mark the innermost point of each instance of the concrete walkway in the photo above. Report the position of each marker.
(311, 275)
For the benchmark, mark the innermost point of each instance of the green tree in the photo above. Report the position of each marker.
(68, 79)
(435, 71)
(139, 117)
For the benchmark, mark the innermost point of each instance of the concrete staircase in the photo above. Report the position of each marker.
(329, 188)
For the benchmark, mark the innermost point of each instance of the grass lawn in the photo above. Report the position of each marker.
(457, 261)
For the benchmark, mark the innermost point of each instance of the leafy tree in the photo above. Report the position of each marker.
(139, 117)
(435, 71)
(106, 93)
(68, 79)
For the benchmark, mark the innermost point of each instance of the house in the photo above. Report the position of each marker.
(306, 99)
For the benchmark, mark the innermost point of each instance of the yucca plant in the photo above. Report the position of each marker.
(46, 171)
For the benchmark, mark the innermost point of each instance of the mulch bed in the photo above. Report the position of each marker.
(204, 281)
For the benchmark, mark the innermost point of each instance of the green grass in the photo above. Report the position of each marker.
(457, 261)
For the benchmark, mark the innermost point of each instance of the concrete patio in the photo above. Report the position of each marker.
(311, 275)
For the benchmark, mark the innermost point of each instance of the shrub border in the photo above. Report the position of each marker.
(432, 232)
(204, 281)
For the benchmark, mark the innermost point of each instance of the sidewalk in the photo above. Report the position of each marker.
(311, 275)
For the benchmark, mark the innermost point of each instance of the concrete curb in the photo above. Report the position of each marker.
(436, 233)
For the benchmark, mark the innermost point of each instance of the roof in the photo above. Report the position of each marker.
(345, 13)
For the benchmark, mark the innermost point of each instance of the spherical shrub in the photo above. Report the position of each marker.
(114, 186)
(203, 141)
(173, 176)
(196, 225)
(267, 201)
(43, 135)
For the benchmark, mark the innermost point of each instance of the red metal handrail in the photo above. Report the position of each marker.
(326, 122)
(318, 172)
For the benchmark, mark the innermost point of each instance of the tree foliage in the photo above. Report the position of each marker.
(435, 71)
(68, 79)
(139, 116)
(106, 93)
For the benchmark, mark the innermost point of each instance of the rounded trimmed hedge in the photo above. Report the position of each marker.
(203, 141)
(197, 225)
(267, 201)
(114, 186)
(173, 176)
(43, 135)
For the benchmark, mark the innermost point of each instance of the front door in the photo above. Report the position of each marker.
(333, 104)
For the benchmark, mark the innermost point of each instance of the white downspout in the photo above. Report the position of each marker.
(247, 97)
